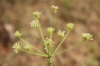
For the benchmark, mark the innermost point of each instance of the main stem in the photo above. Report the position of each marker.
(50, 61)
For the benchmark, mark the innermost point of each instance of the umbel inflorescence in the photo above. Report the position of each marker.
(47, 42)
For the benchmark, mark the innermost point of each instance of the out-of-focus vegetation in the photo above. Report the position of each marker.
(85, 14)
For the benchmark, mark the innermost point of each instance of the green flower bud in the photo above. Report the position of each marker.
(17, 34)
(48, 42)
(36, 14)
(70, 26)
(35, 23)
(54, 8)
(16, 47)
(50, 30)
(27, 47)
(87, 36)
(61, 34)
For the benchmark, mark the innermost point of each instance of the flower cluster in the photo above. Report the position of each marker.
(50, 30)
(27, 47)
(17, 34)
(36, 14)
(35, 23)
(48, 42)
(61, 34)
(70, 26)
(54, 8)
(87, 36)
(16, 47)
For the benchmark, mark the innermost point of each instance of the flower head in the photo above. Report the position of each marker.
(17, 34)
(70, 26)
(27, 47)
(50, 30)
(36, 14)
(87, 36)
(54, 8)
(61, 34)
(16, 47)
(48, 42)
(35, 23)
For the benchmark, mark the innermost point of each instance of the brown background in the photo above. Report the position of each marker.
(85, 14)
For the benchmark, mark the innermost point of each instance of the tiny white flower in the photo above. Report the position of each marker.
(70, 26)
(54, 8)
(48, 42)
(61, 34)
(35, 23)
(50, 30)
(17, 34)
(16, 47)
(36, 14)
(87, 36)
(27, 47)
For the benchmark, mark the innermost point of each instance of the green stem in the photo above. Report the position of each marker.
(41, 33)
(33, 53)
(61, 42)
(50, 61)
(53, 21)
(51, 35)
(69, 48)
(41, 36)
(32, 46)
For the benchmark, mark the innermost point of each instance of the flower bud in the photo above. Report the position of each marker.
(70, 26)
(61, 34)
(35, 23)
(16, 47)
(50, 30)
(17, 34)
(48, 42)
(54, 8)
(36, 14)
(27, 47)
(87, 36)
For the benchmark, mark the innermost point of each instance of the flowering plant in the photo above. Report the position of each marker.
(48, 42)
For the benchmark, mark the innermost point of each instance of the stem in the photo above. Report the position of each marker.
(69, 48)
(34, 53)
(48, 49)
(61, 42)
(53, 21)
(32, 46)
(51, 35)
(41, 36)
(41, 33)
(50, 61)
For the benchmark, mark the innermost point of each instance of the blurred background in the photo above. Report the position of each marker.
(17, 15)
